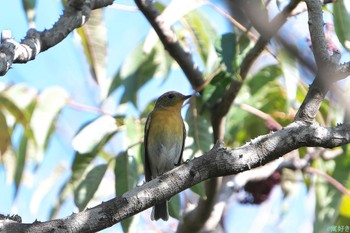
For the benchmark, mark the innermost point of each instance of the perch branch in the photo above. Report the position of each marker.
(219, 161)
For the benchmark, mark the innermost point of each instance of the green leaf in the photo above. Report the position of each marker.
(125, 171)
(14, 110)
(137, 69)
(21, 95)
(20, 162)
(291, 74)
(329, 203)
(199, 131)
(48, 106)
(29, 8)
(262, 79)
(126, 223)
(175, 207)
(90, 140)
(95, 132)
(262, 91)
(243, 46)
(88, 186)
(341, 9)
(134, 133)
(79, 166)
(226, 48)
(5, 137)
(93, 38)
(181, 8)
(199, 189)
(212, 93)
(203, 34)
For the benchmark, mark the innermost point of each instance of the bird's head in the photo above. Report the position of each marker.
(171, 99)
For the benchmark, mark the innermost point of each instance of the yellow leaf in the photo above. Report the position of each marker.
(344, 208)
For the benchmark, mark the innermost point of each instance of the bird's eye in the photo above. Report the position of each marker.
(170, 96)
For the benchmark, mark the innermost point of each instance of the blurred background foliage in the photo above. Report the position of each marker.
(109, 146)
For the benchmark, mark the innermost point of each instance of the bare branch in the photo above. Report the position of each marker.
(219, 161)
(35, 42)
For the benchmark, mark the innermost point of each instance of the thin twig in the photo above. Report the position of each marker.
(336, 184)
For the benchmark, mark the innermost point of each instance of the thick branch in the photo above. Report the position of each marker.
(35, 42)
(220, 161)
(171, 43)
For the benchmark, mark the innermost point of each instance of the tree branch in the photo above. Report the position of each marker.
(171, 43)
(328, 66)
(219, 161)
(75, 15)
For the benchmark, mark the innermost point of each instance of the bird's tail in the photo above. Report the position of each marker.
(160, 211)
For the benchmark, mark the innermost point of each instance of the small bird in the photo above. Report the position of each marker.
(164, 141)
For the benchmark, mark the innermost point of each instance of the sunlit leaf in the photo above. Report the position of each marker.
(94, 133)
(212, 93)
(5, 137)
(341, 9)
(20, 161)
(290, 73)
(21, 95)
(199, 136)
(204, 35)
(136, 70)
(126, 177)
(8, 159)
(88, 186)
(93, 38)
(14, 110)
(181, 8)
(90, 140)
(134, 133)
(262, 91)
(47, 108)
(125, 171)
(344, 208)
(29, 8)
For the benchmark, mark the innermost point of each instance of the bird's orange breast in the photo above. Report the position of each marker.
(166, 125)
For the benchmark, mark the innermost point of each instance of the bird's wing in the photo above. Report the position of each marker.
(183, 143)
(147, 170)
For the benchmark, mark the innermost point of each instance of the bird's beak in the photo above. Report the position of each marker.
(187, 97)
